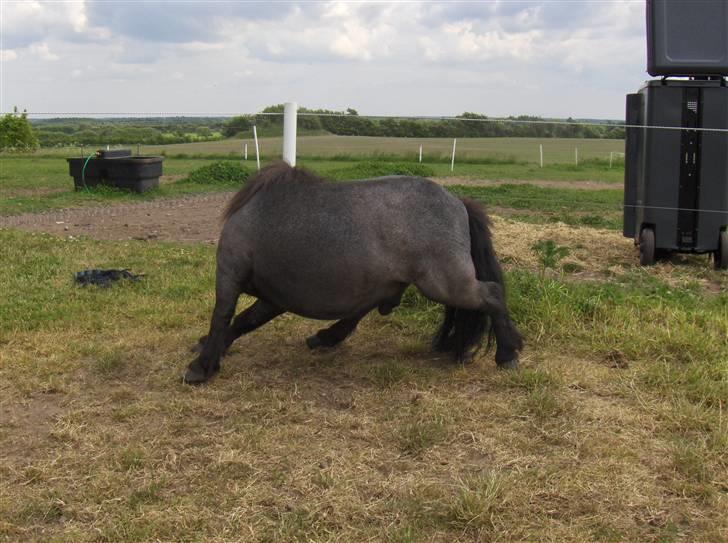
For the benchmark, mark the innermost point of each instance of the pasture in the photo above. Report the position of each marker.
(556, 150)
(615, 428)
(40, 181)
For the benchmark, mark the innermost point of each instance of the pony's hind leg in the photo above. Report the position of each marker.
(334, 334)
(459, 290)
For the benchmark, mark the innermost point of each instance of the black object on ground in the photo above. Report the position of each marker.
(117, 168)
(103, 278)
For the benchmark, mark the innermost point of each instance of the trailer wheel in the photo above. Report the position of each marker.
(721, 255)
(647, 246)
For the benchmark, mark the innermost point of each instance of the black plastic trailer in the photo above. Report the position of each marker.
(117, 168)
(676, 149)
(676, 181)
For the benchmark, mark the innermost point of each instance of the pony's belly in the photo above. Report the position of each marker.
(326, 298)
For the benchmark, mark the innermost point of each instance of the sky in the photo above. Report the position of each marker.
(549, 58)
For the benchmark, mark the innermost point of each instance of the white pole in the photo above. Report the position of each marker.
(576, 156)
(611, 157)
(290, 114)
(540, 152)
(452, 163)
(245, 152)
(420, 153)
(257, 151)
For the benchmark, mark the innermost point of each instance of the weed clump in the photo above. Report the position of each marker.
(225, 172)
(549, 254)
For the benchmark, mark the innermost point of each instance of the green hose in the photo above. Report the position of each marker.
(83, 172)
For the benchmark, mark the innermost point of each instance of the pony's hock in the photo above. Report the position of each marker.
(117, 168)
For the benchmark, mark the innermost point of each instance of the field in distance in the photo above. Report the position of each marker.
(555, 150)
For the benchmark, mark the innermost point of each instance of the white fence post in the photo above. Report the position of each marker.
(611, 158)
(540, 154)
(290, 114)
(245, 152)
(452, 163)
(420, 153)
(257, 150)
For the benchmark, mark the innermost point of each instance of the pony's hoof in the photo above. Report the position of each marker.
(508, 365)
(194, 377)
(314, 342)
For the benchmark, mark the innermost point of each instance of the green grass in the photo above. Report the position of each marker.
(595, 208)
(38, 184)
(375, 440)
(556, 150)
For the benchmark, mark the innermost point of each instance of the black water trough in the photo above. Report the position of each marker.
(117, 168)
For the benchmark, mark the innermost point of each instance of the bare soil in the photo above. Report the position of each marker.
(190, 219)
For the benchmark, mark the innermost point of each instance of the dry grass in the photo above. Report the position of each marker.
(598, 254)
(374, 441)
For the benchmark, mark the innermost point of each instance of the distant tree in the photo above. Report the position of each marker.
(16, 133)
(238, 124)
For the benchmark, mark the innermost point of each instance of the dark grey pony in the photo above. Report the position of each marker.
(335, 251)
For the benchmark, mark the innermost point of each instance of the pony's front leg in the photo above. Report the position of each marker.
(252, 318)
(208, 362)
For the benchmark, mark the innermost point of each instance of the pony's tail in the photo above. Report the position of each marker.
(462, 330)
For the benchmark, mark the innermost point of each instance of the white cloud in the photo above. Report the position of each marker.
(543, 57)
(8, 55)
(42, 51)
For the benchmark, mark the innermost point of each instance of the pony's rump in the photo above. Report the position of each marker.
(462, 330)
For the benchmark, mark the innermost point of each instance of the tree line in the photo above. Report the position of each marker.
(17, 132)
(465, 125)
(64, 132)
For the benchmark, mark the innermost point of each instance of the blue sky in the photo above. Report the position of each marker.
(550, 58)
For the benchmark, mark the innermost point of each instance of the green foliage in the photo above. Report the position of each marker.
(126, 131)
(219, 173)
(549, 254)
(236, 125)
(368, 169)
(349, 123)
(16, 133)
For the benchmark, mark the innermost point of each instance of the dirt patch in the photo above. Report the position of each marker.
(191, 219)
(581, 185)
(29, 421)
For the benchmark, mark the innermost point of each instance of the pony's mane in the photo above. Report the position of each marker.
(278, 173)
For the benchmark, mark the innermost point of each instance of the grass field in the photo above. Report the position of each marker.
(614, 430)
(41, 182)
(556, 150)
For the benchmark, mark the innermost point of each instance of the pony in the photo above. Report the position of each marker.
(336, 251)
